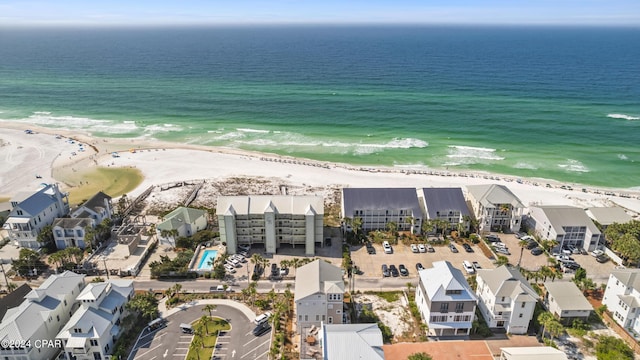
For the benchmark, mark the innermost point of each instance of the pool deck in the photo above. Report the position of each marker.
(201, 254)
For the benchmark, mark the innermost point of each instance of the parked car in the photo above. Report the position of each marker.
(476, 265)
(274, 270)
(387, 247)
(430, 248)
(422, 248)
(394, 271)
(230, 268)
(467, 248)
(499, 245)
(492, 238)
(414, 248)
(370, 249)
(536, 251)
(244, 247)
(453, 248)
(385, 271)
(284, 271)
(602, 258)
(219, 288)
(468, 267)
(597, 252)
(503, 251)
(532, 244)
(403, 270)
(262, 329)
(419, 267)
(571, 265)
(262, 318)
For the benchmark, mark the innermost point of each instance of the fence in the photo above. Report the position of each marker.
(628, 338)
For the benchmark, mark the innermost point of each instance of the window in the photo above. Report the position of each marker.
(502, 299)
(96, 356)
(444, 307)
(306, 318)
(522, 305)
(65, 302)
(58, 317)
(93, 342)
(520, 316)
(330, 319)
(323, 317)
(459, 307)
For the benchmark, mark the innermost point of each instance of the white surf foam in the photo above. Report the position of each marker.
(44, 118)
(574, 166)
(524, 165)
(623, 116)
(622, 157)
(165, 128)
(465, 155)
(247, 130)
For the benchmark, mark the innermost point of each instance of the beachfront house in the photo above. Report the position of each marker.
(33, 211)
(349, 341)
(495, 207)
(445, 301)
(181, 222)
(622, 298)
(447, 205)
(97, 209)
(272, 220)
(70, 232)
(377, 207)
(40, 316)
(94, 328)
(606, 216)
(319, 294)
(566, 302)
(568, 225)
(506, 299)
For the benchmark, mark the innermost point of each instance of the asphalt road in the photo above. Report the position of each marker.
(171, 344)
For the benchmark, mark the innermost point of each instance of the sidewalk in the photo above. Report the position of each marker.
(164, 312)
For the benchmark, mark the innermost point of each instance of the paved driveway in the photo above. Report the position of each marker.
(170, 343)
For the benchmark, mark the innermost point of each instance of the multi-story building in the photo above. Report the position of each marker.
(506, 299)
(566, 302)
(70, 232)
(319, 295)
(272, 221)
(33, 212)
(377, 207)
(495, 207)
(447, 204)
(94, 328)
(97, 209)
(40, 316)
(181, 222)
(567, 225)
(445, 301)
(622, 297)
(606, 216)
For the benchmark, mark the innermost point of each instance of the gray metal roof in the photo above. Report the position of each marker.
(179, 217)
(97, 201)
(561, 215)
(37, 202)
(260, 204)
(69, 223)
(629, 277)
(318, 277)
(567, 295)
(380, 199)
(352, 341)
(609, 215)
(493, 194)
(506, 281)
(443, 200)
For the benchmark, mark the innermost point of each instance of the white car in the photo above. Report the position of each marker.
(244, 247)
(387, 247)
(597, 252)
(468, 267)
(230, 268)
(234, 262)
(414, 248)
(422, 248)
(500, 245)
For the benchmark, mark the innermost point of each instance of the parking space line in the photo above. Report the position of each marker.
(148, 351)
(250, 341)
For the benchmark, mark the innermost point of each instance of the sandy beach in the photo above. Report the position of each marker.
(49, 155)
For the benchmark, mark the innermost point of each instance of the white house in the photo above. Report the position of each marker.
(33, 212)
(506, 299)
(377, 207)
(445, 301)
(97, 209)
(319, 294)
(70, 232)
(94, 328)
(181, 222)
(495, 207)
(566, 302)
(622, 297)
(41, 315)
(272, 221)
(351, 341)
(447, 204)
(567, 225)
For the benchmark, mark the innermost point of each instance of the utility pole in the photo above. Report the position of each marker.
(4, 273)
(104, 260)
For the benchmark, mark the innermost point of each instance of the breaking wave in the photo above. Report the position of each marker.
(574, 166)
(623, 116)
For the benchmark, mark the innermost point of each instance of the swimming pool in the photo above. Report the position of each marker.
(204, 260)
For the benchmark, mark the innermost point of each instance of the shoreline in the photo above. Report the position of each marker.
(163, 162)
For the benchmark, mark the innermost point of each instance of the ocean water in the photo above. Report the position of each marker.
(556, 103)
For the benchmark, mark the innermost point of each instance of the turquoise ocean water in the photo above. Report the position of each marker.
(557, 103)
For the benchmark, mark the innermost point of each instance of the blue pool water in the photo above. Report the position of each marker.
(208, 255)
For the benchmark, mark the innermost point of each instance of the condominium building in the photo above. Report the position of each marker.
(495, 207)
(445, 301)
(377, 207)
(567, 225)
(447, 204)
(272, 221)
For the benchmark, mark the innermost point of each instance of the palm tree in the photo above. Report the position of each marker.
(195, 345)
(356, 225)
(522, 244)
(502, 260)
(176, 289)
(544, 319)
(209, 308)
(12, 286)
(253, 291)
(205, 320)
(392, 227)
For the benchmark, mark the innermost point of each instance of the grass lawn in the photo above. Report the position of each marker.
(204, 353)
(112, 181)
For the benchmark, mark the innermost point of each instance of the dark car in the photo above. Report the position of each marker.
(536, 251)
(403, 270)
(262, 329)
(370, 249)
(419, 266)
(453, 248)
(571, 265)
(274, 270)
(602, 258)
(532, 244)
(385, 271)
(327, 241)
(394, 271)
(492, 238)
(467, 247)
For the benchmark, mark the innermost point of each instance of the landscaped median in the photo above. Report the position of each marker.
(205, 334)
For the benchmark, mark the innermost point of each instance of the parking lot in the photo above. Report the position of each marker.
(371, 265)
